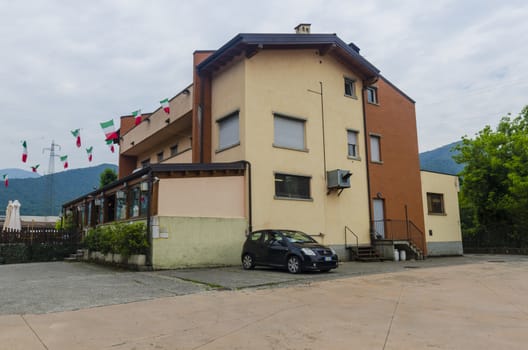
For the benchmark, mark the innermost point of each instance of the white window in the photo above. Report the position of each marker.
(352, 137)
(288, 132)
(372, 95)
(350, 87)
(228, 131)
(375, 148)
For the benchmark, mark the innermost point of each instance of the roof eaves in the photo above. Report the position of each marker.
(288, 39)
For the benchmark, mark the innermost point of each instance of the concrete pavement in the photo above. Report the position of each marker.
(477, 302)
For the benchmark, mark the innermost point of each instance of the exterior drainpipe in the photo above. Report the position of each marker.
(366, 156)
(250, 208)
(200, 115)
(149, 219)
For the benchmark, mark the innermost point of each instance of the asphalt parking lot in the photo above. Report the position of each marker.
(60, 286)
(471, 302)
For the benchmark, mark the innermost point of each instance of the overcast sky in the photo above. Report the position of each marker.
(70, 64)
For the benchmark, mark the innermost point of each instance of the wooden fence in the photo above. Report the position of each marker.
(39, 235)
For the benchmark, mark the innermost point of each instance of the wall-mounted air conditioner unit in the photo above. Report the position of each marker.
(338, 178)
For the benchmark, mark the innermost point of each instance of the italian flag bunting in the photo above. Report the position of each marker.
(77, 134)
(24, 151)
(165, 105)
(34, 168)
(110, 143)
(137, 116)
(64, 160)
(89, 151)
(109, 130)
(6, 180)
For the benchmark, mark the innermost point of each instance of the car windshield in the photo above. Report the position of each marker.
(297, 237)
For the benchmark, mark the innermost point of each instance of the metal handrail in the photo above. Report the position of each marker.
(356, 236)
(401, 229)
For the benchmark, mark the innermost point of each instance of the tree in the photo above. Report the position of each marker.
(494, 195)
(107, 176)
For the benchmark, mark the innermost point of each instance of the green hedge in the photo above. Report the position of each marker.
(121, 238)
(14, 253)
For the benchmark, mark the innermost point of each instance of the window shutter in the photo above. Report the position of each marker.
(289, 132)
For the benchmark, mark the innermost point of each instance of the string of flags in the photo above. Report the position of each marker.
(109, 130)
(137, 117)
(77, 134)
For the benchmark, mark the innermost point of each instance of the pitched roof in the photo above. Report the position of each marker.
(250, 44)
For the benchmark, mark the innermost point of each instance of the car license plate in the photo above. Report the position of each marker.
(327, 258)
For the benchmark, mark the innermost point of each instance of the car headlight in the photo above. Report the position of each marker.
(333, 251)
(308, 251)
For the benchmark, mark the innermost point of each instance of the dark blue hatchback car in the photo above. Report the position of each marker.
(289, 249)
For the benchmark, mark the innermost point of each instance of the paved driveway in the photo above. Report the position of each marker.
(61, 286)
(465, 303)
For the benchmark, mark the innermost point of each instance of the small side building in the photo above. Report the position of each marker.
(441, 213)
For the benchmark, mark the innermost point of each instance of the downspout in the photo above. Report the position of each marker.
(200, 115)
(367, 156)
(149, 225)
(250, 208)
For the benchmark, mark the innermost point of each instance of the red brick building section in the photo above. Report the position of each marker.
(395, 180)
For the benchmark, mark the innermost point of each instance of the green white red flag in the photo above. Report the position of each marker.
(24, 152)
(89, 152)
(77, 134)
(110, 143)
(165, 105)
(109, 130)
(34, 168)
(6, 180)
(137, 116)
(64, 160)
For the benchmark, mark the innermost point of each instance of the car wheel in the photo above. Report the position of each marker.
(247, 262)
(294, 264)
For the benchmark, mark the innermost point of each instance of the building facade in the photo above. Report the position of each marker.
(295, 131)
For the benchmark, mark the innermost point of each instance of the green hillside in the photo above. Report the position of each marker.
(440, 160)
(34, 193)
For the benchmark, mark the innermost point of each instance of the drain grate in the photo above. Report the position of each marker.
(412, 267)
(496, 261)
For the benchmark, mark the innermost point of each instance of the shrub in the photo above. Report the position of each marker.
(131, 239)
(121, 238)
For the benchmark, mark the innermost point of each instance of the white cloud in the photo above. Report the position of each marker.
(68, 65)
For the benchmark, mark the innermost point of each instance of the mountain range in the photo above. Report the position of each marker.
(35, 195)
(33, 190)
(440, 160)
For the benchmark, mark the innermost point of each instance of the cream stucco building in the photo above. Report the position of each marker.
(276, 131)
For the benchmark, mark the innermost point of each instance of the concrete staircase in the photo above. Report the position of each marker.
(364, 254)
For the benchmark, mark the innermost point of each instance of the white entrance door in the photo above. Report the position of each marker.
(379, 217)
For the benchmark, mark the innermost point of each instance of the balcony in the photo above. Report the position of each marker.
(160, 126)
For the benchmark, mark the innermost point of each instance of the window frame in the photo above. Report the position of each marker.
(173, 150)
(224, 119)
(379, 153)
(145, 163)
(285, 145)
(159, 156)
(431, 207)
(356, 156)
(352, 83)
(292, 195)
(374, 90)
